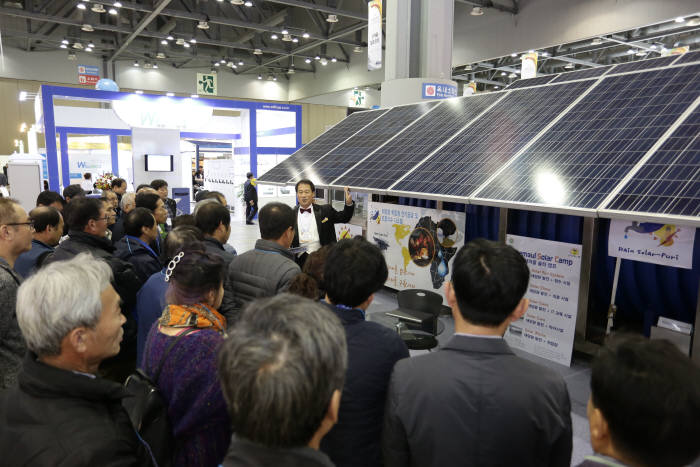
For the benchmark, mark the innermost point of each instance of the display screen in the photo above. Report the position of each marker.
(158, 163)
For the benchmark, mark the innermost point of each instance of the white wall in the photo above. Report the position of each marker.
(53, 67)
(158, 141)
(544, 23)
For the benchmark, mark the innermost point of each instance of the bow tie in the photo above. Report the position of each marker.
(302, 210)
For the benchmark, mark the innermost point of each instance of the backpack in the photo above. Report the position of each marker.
(148, 410)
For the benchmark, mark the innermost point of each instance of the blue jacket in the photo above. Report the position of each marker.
(26, 263)
(373, 350)
(150, 302)
(140, 255)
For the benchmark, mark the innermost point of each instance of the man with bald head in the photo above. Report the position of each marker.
(48, 229)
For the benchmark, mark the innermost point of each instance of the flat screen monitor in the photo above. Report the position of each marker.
(159, 163)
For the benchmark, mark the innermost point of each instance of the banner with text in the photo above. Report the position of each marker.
(418, 243)
(88, 75)
(649, 242)
(438, 91)
(547, 328)
(374, 34)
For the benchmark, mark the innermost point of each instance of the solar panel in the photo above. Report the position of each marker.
(689, 57)
(582, 74)
(644, 64)
(390, 162)
(582, 158)
(524, 83)
(340, 159)
(669, 182)
(467, 161)
(315, 149)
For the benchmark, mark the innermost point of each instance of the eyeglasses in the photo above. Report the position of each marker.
(29, 224)
(105, 218)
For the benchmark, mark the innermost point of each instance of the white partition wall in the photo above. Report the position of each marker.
(157, 141)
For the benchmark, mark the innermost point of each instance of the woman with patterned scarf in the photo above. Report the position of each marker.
(188, 380)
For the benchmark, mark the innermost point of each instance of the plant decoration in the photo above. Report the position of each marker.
(104, 182)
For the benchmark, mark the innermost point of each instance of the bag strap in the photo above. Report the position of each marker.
(156, 376)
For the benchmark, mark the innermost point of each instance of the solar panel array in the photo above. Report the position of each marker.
(462, 165)
(391, 161)
(669, 182)
(582, 158)
(582, 74)
(340, 159)
(620, 141)
(317, 148)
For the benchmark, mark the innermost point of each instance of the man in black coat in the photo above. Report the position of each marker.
(474, 402)
(61, 412)
(250, 196)
(135, 247)
(87, 220)
(315, 223)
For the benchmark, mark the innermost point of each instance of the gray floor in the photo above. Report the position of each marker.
(577, 376)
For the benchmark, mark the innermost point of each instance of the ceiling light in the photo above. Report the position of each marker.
(87, 28)
(306, 35)
(88, 49)
(284, 31)
(186, 45)
(230, 64)
(496, 87)
(170, 37)
(274, 36)
(324, 61)
(477, 11)
(503, 73)
(514, 55)
(194, 96)
(467, 67)
(308, 60)
(512, 75)
(545, 54)
(81, 6)
(170, 94)
(597, 41)
(63, 46)
(630, 51)
(155, 65)
(113, 11)
(358, 49)
(531, 51)
(236, 2)
(147, 65)
(136, 63)
(98, 8)
(248, 3)
(259, 76)
(663, 50)
(257, 52)
(693, 22)
(117, 4)
(334, 59)
(217, 64)
(640, 53)
(65, 41)
(287, 38)
(295, 40)
(78, 46)
(180, 41)
(164, 42)
(138, 91)
(213, 70)
(160, 55)
(222, 61)
(71, 56)
(680, 19)
(355, 87)
(203, 25)
(91, 45)
(240, 63)
(274, 78)
(219, 1)
(569, 66)
(291, 71)
(652, 46)
(317, 57)
(193, 41)
(332, 18)
(366, 88)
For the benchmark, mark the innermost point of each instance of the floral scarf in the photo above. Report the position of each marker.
(198, 315)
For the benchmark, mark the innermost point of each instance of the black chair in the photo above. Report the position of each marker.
(418, 318)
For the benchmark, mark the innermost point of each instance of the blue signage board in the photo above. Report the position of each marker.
(88, 70)
(439, 91)
(182, 199)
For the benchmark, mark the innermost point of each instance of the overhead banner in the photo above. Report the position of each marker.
(206, 84)
(418, 243)
(528, 65)
(374, 35)
(88, 75)
(649, 242)
(438, 91)
(547, 328)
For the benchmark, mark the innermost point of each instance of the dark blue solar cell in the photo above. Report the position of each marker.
(314, 150)
(644, 64)
(391, 161)
(582, 74)
(583, 157)
(524, 83)
(689, 57)
(462, 165)
(669, 182)
(350, 152)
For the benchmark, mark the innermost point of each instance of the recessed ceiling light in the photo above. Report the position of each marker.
(306, 35)
(170, 94)
(332, 18)
(680, 19)
(477, 11)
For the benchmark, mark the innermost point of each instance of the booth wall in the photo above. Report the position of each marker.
(157, 141)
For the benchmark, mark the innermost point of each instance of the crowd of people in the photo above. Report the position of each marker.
(267, 358)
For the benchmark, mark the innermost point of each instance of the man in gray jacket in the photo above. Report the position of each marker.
(268, 268)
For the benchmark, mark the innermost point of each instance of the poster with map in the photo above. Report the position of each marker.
(418, 243)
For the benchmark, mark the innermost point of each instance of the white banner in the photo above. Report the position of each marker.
(418, 243)
(649, 242)
(547, 328)
(374, 35)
